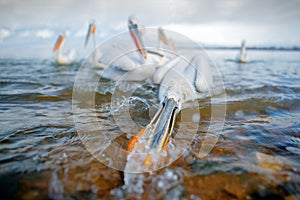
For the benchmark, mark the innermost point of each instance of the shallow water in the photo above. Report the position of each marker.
(256, 156)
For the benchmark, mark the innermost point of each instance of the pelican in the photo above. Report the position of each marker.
(180, 81)
(138, 64)
(62, 57)
(242, 58)
(96, 52)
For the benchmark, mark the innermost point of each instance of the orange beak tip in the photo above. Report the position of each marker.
(148, 160)
(55, 49)
(134, 140)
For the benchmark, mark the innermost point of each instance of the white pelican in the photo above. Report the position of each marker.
(63, 58)
(242, 58)
(180, 81)
(134, 60)
(94, 59)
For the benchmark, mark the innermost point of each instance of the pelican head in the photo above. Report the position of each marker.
(132, 21)
(136, 35)
(59, 41)
(91, 30)
(157, 133)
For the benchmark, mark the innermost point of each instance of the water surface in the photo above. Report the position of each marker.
(257, 155)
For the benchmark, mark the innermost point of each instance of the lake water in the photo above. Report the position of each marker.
(257, 156)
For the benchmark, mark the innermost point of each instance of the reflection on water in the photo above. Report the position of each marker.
(257, 156)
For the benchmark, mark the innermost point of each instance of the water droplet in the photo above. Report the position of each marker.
(160, 184)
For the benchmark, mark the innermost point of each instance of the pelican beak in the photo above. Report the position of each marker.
(162, 36)
(136, 35)
(159, 130)
(91, 30)
(173, 47)
(58, 43)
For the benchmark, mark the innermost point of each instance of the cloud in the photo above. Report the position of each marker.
(220, 33)
(4, 33)
(80, 33)
(265, 20)
(71, 13)
(25, 33)
(44, 33)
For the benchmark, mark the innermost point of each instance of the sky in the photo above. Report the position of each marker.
(35, 24)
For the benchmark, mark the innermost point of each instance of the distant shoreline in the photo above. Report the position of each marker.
(271, 48)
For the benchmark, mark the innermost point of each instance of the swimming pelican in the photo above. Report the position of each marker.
(96, 52)
(138, 64)
(63, 58)
(181, 81)
(243, 56)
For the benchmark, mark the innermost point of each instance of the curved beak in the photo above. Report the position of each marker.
(137, 38)
(91, 30)
(162, 37)
(159, 130)
(58, 43)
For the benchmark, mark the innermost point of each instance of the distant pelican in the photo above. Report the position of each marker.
(63, 58)
(137, 65)
(94, 59)
(180, 82)
(242, 58)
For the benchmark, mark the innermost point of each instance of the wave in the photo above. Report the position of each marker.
(263, 105)
(265, 89)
